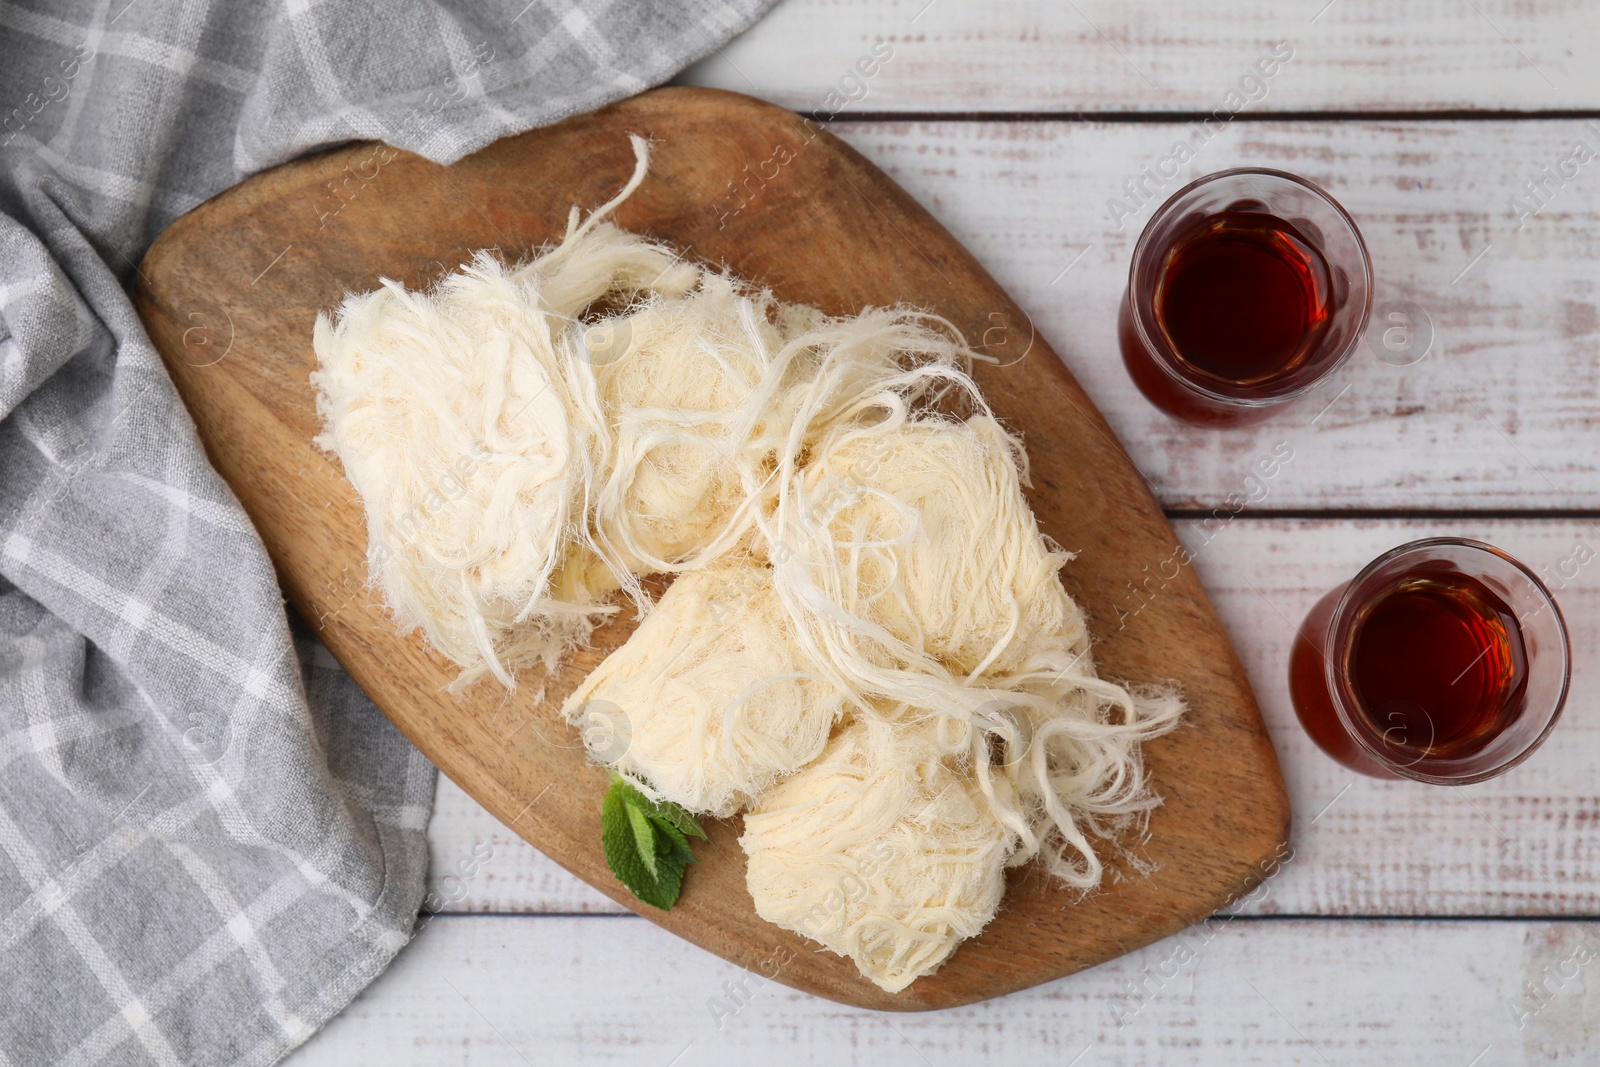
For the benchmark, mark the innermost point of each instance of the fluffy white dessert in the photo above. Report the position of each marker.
(693, 386)
(883, 850)
(461, 424)
(920, 530)
(710, 701)
(867, 647)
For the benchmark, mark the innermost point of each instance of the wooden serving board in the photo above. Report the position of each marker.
(229, 293)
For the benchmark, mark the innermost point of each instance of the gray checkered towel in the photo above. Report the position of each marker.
(209, 838)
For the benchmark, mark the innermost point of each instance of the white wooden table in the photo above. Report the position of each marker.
(1415, 925)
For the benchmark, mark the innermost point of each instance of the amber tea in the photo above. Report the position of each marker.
(1246, 289)
(1445, 660)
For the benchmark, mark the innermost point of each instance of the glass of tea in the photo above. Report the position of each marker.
(1247, 288)
(1444, 661)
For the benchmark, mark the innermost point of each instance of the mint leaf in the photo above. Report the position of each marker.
(646, 842)
(660, 812)
(622, 849)
(644, 836)
(680, 844)
(674, 816)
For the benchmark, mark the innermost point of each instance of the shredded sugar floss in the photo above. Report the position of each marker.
(882, 850)
(866, 646)
(709, 702)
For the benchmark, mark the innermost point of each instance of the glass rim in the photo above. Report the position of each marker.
(1141, 250)
(1343, 694)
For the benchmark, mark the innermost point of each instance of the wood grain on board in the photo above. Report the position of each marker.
(229, 294)
(1524, 844)
(1242, 993)
(1156, 55)
(1501, 413)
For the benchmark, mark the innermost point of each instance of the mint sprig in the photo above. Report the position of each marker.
(646, 842)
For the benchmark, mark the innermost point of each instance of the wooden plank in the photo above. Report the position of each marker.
(1105, 55)
(1527, 843)
(827, 238)
(1501, 413)
(481, 991)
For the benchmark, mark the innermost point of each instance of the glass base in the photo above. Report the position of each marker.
(1172, 397)
(1308, 691)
